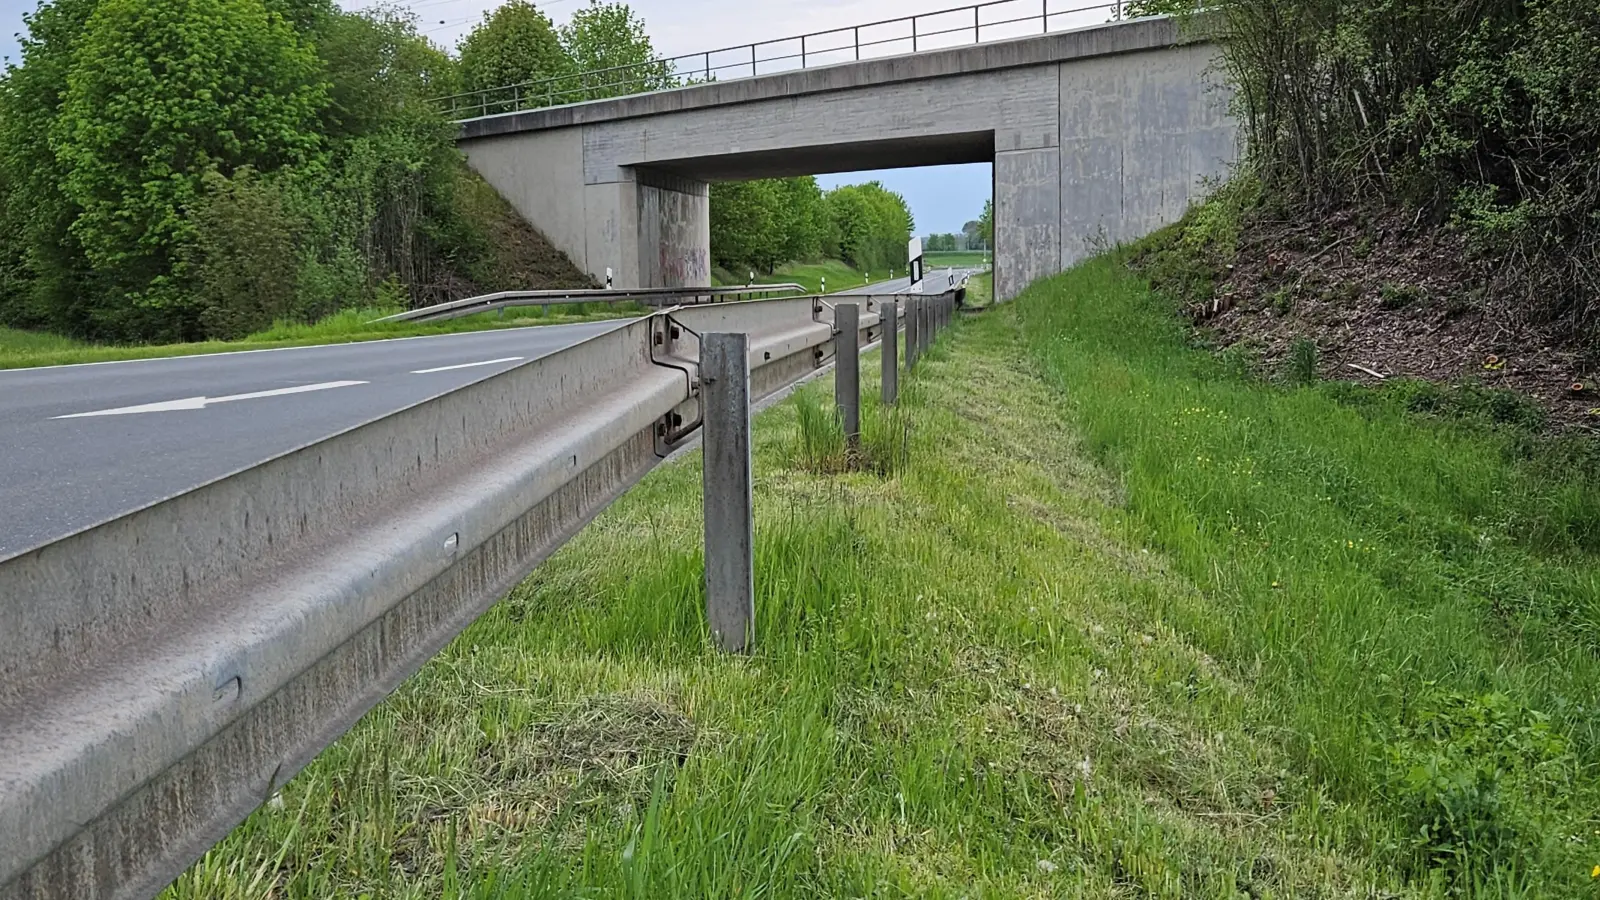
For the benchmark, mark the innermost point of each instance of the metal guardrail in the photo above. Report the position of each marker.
(658, 297)
(162, 674)
(976, 24)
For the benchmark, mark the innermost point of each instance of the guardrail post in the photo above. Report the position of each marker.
(729, 503)
(847, 374)
(924, 326)
(913, 332)
(889, 322)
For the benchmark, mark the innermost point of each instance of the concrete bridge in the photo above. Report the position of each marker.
(1097, 135)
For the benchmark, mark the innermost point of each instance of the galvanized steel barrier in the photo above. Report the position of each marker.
(162, 674)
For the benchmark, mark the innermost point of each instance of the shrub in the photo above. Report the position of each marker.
(1469, 773)
(244, 261)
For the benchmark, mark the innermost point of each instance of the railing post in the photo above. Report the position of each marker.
(977, 26)
(847, 370)
(729, 501)
(925, 327)
(1044, 15)
(802, 51)
(752, 60)
(913, 34)
(889, 322)
(858, 43)
(708, 66)
(913, 332)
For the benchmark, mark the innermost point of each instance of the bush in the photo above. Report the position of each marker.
(245, 258)
(1484, 114)
(1468, 772)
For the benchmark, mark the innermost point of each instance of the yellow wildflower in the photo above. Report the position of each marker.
(1595, 873)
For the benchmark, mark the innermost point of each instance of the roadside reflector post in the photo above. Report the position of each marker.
(889, 316)
(847, 374)
(913, 332)
(729, 502)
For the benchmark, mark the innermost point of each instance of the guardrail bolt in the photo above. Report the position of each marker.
(847, 374)
(889, 320)
(729, 503)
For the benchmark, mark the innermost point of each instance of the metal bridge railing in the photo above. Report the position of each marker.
(980, 23)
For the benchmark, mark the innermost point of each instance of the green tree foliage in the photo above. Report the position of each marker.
(43, 265)
(381, 71)
(246, 241)
(938, 243)
(515, 44)
(763, 224)
(186, 168)
(1484, 112)
(607, 44)
(873, 223)
(745, 227)
(985, 232)
(160, 91)
(802, 216)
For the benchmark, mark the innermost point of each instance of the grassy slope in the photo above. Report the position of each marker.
(1001, 672)
(963, 258)
(23, 349)
(840, 276)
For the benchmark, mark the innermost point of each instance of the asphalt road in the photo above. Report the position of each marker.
(935, 281)
(80, 445)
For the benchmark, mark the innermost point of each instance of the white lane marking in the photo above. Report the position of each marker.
(203, 402)
(487, 362)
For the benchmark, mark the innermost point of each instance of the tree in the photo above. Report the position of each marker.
(515, 44)
(745, 231)
(47, 271)
(972, 232)
(986, 224)
(160, 91)
(873, 225)
(802, 219)
(611, 53)
(381, 71)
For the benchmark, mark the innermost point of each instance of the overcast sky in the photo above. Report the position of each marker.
(941, 199)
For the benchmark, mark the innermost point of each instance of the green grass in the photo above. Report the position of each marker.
(1110, 623)
(24, 349)
(840, 276)
(965, 259)
(1417, 602)
(980, 290)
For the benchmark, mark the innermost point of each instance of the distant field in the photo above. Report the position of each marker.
(26, 349)
(960, 258)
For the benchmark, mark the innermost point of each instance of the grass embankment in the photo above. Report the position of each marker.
(839, 274)
(1251, 665)
(24, 349)
(960, 259)
(980, 290)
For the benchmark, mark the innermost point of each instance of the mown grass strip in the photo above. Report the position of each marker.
(1417, 602)
(1038, 652)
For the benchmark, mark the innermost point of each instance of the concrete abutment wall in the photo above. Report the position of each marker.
(1097, 136)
